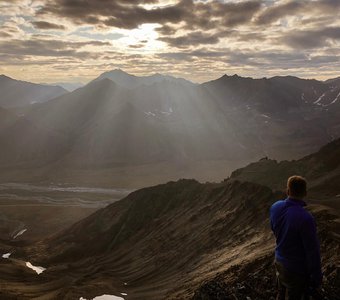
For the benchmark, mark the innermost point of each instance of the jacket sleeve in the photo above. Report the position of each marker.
(312, 249)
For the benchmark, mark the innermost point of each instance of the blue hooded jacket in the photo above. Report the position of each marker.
(297, 245)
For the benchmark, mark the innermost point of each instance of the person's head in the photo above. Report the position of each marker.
(296, 187)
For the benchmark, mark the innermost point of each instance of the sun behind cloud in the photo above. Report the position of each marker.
(199, 40)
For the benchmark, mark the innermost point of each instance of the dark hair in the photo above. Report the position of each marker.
(297, 186)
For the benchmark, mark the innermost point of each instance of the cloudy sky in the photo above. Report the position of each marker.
(76, 40)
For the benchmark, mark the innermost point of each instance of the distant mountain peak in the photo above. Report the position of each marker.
(132, 81)
(3, 76)
(20, 93)
(103, 83)
(227, 77)
(119, 72)
(235, 76)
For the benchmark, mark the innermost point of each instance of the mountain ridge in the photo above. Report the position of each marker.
(123, 73)
(132, 81)
(18, 93)
(312, 166)
(184, 128)
(186, 240)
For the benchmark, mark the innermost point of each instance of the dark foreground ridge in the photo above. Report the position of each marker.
(179, 240)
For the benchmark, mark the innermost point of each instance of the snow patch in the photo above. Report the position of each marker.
(108, 297)
(104, 297)
(21, 232)
(320, 98)
(39, 270)
(335, 100)
(149, 113)
(265, 116)
(157, 112)
(6, 255)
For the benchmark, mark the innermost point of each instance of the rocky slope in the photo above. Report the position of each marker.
(178, 240)
(321, 168)
(155, 240)
(173, 241)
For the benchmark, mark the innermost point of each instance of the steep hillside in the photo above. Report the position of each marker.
(277, 95)
(110, 126)
(156, 239)
(321, 168)
(171, 241)
(178, 240)
(188, 130)
(288, 110)
(23, 143)
(173, 121)
(18, 93)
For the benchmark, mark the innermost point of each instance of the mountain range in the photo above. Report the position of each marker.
(18, 93)
(120, 122)
(182, 240)
(69, 86)
(131, 81)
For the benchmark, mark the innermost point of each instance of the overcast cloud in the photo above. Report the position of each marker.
(57, 40)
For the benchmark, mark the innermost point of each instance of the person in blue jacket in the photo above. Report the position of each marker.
(297, 253)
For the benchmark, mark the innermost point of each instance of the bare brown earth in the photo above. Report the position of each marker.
(179, 240)
(256, 279)
(177, 234)
(164, 242)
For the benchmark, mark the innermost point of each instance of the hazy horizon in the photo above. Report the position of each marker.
(71, 81)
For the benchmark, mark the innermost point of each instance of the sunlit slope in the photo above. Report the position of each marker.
(163, 122)
(168, 120)
(191, 232)
(322, 169)
(183, 128)
(160, 238)
(167, 240)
